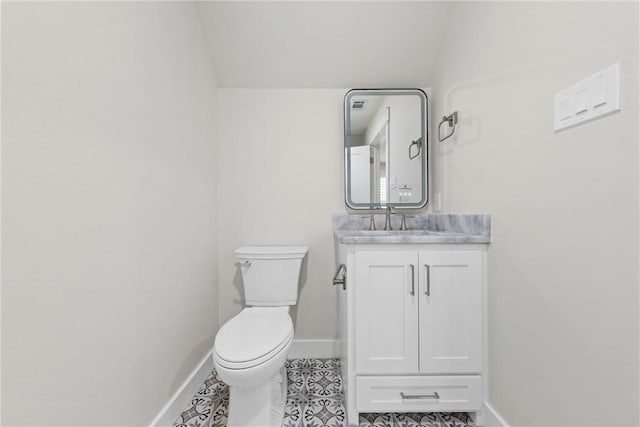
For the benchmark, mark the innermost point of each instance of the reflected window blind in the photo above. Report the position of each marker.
(383, 189)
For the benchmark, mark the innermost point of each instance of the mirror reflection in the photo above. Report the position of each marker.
(385, 148)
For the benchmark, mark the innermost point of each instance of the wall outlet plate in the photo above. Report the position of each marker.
(588, 99)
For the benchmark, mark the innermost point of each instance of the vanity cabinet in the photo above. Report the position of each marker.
(411, 328)
(418, 312)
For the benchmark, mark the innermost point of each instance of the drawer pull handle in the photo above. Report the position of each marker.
(435, 395)
(413, 280)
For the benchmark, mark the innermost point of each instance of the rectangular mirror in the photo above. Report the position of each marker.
(385, 142)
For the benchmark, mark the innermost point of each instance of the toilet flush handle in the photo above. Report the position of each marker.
(243, 264)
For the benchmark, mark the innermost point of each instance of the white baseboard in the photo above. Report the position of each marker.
(304, 349)
(492, 418)
(178, 402)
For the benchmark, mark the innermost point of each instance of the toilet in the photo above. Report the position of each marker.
(250, 349)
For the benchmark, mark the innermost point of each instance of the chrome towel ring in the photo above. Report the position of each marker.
(452, 119)
(417, 143)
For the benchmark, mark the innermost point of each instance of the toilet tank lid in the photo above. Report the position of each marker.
(279, 251)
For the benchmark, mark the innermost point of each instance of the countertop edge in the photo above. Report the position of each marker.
(394, 240)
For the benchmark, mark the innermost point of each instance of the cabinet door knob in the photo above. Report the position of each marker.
(435, 395)
(427, 291)
(413, 280)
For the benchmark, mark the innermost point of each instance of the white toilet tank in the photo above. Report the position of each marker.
(270, 274)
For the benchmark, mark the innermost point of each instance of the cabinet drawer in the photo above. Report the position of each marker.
(418, 393)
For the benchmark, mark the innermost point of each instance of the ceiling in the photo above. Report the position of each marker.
(324, 44)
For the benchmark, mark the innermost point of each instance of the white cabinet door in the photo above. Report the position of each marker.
(386, 312)
(450, 311)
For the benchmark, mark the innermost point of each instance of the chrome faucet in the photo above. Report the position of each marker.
(403, 224)
(372, 223)
(387, 221)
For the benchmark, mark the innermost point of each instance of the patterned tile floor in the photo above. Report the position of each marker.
(314, 399)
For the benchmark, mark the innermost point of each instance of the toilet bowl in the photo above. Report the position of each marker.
(250, 349)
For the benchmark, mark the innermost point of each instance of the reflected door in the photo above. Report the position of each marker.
(361, 174)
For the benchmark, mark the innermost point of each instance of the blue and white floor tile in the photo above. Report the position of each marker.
(208, 408)
(314, 396)
(314, 399)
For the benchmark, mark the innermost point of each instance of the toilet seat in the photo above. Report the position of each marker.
(253, 337)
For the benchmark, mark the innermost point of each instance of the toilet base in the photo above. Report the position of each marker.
(260, 406)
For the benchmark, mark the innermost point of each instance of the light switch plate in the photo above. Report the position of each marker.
(593, 97)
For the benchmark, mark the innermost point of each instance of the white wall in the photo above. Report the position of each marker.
(280, 179)
(108, 210)
(563, 264)
(324, 44)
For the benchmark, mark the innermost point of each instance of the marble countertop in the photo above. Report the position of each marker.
(422, 229)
